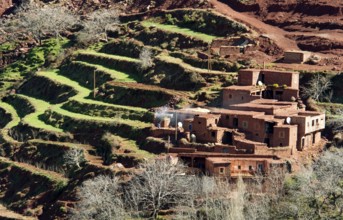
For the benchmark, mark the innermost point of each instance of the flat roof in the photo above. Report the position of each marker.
(228, 160)
(207, 116)
(226, 155)
(235, 112)
(244, 88)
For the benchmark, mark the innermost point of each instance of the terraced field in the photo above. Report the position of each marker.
(99, 101)
(175, 29)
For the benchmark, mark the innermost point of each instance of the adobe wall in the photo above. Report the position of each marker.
(160, 132)
(291, 79)
(296, 56)
(248, 77)
(285, 136)
(244, 166)
(288, 93)
(232, 97)
(214, 169)
(284, 152)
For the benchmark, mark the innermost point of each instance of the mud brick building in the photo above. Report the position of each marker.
(263, 124)
(294, 56)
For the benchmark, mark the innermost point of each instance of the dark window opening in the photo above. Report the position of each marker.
(281, 145)
(250, 167)
(227, 117)
(213, 134)
(199, 122)
(230, 96)
(227, 138)
(221, 170)
(239, 167)
(190, 127)
(269, 128)
(235, 122)
(312, 122)
(266, 141)
(242, 97)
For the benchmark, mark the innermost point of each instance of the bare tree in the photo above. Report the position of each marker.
(98, 23)
(74, 157)
(316, 192)
(146, 58)
(39, 21)
(160, 185)
(99, 199)
(318, 88)
(336, 122)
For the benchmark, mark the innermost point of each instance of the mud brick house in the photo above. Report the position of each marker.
(261, 123)
(294, 56)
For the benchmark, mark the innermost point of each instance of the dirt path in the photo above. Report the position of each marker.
(274, 33)
(277, 34)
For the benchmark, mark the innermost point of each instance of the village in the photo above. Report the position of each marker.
(263, 124)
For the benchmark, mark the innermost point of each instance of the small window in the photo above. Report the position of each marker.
(312, 122)
(239, 167)
(256, 134)
(230, 96)
(213, 134)
(216, 121)
(199, 122)
(242, 97)
(250, 167)
(317, 121)
(245, 124)
(221, 170)
(281, 134)
(227, 117)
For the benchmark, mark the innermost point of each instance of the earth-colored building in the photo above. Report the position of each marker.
(262, 117)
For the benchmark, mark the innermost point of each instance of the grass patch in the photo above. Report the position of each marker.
(33, 118)
(114, 74)
(37, 57)
(15, 118)
(111, 56)
(176, 29)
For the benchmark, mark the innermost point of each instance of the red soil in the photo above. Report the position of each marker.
(310, 26)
